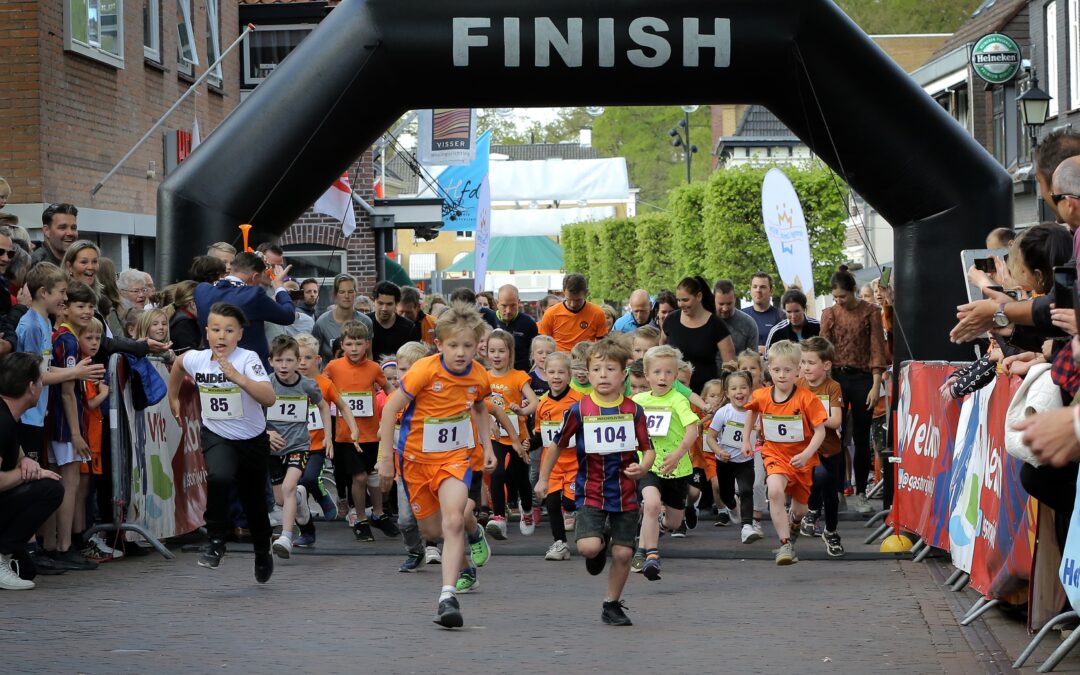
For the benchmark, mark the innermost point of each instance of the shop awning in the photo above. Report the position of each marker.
(518, 254)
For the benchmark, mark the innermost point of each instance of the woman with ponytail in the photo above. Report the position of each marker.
(695, 330)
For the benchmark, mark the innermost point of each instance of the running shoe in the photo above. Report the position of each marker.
(90, 551)
(44, 563)
(467, 582)
(638, 561)
(496, 527)
(432, 555)
(305, 541)
(558, 551)
(362, 531)
(832, 544)
(680, 531)
(449, 614)
(352, 519)
(264, 566)
(595, 565)
(9, 577)
(690, 518)
(275, 516)
(785, 555)
(614, 614)
(480, 551)
(303, 511)
(413, 562)
(385, 524)
(76, 560)
(282, 547)
(527, 524)
(102, 545)
(757, 528)
(651, 568)
(211, 557)
(723, 518)
(848, 491)
(862, 505)
(806, 527)
(749, 534)
(569, 521)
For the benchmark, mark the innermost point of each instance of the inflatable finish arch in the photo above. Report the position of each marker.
(816, 70)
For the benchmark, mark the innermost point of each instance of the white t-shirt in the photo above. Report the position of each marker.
(220, 397)
(730, 425)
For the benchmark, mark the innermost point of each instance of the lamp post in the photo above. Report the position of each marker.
(1034, 105)
(682, 139)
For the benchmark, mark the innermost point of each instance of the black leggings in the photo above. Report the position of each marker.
(856, 387)
(730, 474)
(828, 479)
(517, 474)
(556, 503)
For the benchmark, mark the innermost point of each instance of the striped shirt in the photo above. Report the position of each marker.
(784, 331)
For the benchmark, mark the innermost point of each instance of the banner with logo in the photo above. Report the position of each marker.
(446, 136)
(483, 235)
(966, 476)
(785, 227)
(460, 188)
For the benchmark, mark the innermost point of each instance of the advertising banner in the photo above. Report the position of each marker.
(785, 227)
(966, 476)
(446, 136)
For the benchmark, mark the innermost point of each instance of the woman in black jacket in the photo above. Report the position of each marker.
(183, 325)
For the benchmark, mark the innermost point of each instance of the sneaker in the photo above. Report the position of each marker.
(303, 511)
(264, 566)
(595, 565)
(569, 520)
(413, 562)
(76, 561)
(102, 545)
(832, 544)
(385, 524)
(690, 517)
(638, 561)
(527, 524)
(651, 568)
(467, 582)
(862, 505)
(806, 527)
(614, 614)
(496, 527)
(305, 541)
(483, 515)
(558, 551)
(449, 614)
(9, 577)
(480, 551)
(362, 531)
(749, 534)
(785, 555)
(680, 531)
(352, 519)
(432, 555)
(43, 563)
(849, 490)
(758, 529)
(723, 518)
(211, 557)
(275, 516)
(283, 547)
(90, 551)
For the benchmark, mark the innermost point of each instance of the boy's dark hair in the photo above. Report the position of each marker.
(355, 330)
(387, 288)
(575, 283)
(269, 247)
(793, 295)
(463, 294)
(206, 268)
(305, 282)
(66, 209)
(409, 296)
(18, 370)
(762, 275)
(227, 309)
(77, 291)
(637, 368)
(284, 343)
(1053, 149)
(724, 286)
(44, 275)
(820, 346)
(609, 349)
(248, 262)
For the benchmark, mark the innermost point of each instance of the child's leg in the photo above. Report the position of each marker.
(519, 474)
(535, 456)
(375, 488)
(78, 524)
(744, 477)
(834, 469)
(715, 482)
(725, 480)
(650, 515)
(359, 492)
(555, 515)
(288, 502)
(69, 476)
(410, 532)
(761, 501)
(692, 494)
(777, 485)
(453, 495)
(498, 479)
(620, 570)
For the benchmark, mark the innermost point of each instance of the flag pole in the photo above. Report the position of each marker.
(194, 85)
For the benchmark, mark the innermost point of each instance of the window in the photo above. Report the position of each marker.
(1052, 56)
(94, 28)
(463, 235)
(213, 42)
(1074, 54)
(151, 23)
(187, 56)
(266, 48)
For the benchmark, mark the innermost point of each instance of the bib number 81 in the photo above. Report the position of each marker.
(448, 435)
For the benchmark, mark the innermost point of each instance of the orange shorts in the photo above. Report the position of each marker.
(422, 483)
(93, 467)
(705, 462)
(799, 480)
(564, 473)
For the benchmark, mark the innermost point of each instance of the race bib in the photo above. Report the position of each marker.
(605, 434)
(658, 421)
(46, 359)
(783, 429)
(732, 437)
(221, 404)
(314, 418)
(288, 409)
(359, 402)
(824, 398)
(443, 434)
(514, 422)
(549, 431)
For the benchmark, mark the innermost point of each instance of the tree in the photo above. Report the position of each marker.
(878, 17)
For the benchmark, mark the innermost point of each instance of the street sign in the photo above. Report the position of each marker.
(996, 58)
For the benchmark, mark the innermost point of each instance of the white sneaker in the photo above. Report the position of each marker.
(496, 527)
(275, 516)
(9, 579)
(558, 551)
(99, 541)
(749, 534)
(526, 524)
(303, 511)
(283, 547)
(432, 555)
(862, 505)
(758, 529)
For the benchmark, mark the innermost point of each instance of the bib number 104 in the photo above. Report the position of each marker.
(609, 433)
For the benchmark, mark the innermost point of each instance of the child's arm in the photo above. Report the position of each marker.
(176, 378)
(546, 466)
(385, 464)
(83, 370)
(699, 402)
(671, 461)
(71, 414)
(532, 401)
(714, 446)
(350, 421)
(484, 429)
(836, 417)
(260, 390)
(504, 421)
(800, 460)
(102, 394)
(751, 420)
(324, 411)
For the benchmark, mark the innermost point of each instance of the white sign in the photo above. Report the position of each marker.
(785, 227)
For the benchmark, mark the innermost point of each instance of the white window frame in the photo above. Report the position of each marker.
(184, 64)
(1050, 18)
(89, 47)
(152, 46)
(252, 82)
(1074, 54)
(213, 37)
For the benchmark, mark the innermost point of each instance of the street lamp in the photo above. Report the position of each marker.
(1034, 105)
(682, 139)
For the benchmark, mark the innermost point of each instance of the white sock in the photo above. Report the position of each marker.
(288, 535)
(447, 593)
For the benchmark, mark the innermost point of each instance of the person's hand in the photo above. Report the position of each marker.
(635, 471)
(541, 489)
(977, 317)
(872, 397)
(946, 389)
(519, 448)
(51, 475)
(1020, 364)
(711, 409)
(329, 450)
(279, 273)
(1050, 436)
(800, 460)
(277, 441)
(490, 462)
(723, 456)
(667, 467)
(228, 370)
(29, 469)
(980, 279)
(157, 347)
(1065, 319)
(747, 451)
(1001, 272)
(385, 469)
(515, 408)
(23, 297)
(88, 370)
(81, 447)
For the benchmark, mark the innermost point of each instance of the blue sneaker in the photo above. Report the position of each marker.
(412, 563)
(304, 541)
(329, 507)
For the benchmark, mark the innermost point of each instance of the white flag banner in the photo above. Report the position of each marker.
(483, 234)
(446, 136)
(785, 227)
(337, 203)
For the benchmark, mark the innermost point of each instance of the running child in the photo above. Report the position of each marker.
(290, 441)
(541, 347)
(750, 361)
(234, 389)
(608, 430)
(556, 487)
(704, 476)
(816, 362)
(579, 363)
(442, 398)
(793, 424)
(725, 441)
(673, 428)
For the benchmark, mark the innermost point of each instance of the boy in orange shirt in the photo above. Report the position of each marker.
(558, 488)
(443, 404)
(356, 377)
(789, 414)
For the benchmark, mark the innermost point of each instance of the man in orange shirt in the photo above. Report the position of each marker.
(574, 319)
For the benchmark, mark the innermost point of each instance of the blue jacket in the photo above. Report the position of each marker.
(257, 305)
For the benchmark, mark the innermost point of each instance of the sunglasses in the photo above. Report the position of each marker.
(10, 253)
(1056, 198)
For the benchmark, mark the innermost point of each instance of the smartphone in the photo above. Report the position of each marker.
(1064, 285)
(985, 265)
(981, 259)
(1013, 293)
(297, 296)
(886, 276)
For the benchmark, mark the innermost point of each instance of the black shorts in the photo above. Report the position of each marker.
(32, 441)
(591, 522)
(279, 465)
(698, 479)
(353, 462)
(673, 491)
(476, 486)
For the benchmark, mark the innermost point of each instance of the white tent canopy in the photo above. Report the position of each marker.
(542, 221)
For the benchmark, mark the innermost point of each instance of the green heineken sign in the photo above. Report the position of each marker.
(996, 58)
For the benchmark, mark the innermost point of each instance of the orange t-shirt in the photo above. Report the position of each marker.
(356, 383)
(553, 410)
(829, 391)
(329, 394)
(794, 418)
(569, 328)
(93, 422)
(697, 453)
(506, 390)
(437, 425)
(427, 329)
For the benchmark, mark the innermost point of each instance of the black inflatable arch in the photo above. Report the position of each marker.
(371, 60)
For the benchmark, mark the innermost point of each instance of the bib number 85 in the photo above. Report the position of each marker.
(219, 404)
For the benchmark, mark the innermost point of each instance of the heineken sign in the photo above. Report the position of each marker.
(996, 58)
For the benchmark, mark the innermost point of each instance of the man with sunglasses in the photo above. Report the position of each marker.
(59, 230)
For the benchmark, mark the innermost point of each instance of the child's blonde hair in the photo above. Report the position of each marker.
(785, 349)
(711, 384)
(411, 352)
(651, 333)
(662, 352)
(541, 340)
(579, 356)
(749, 354)
(559, 357)
(686, 366)
(460, 317)
(147, 317)
(307, 341)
